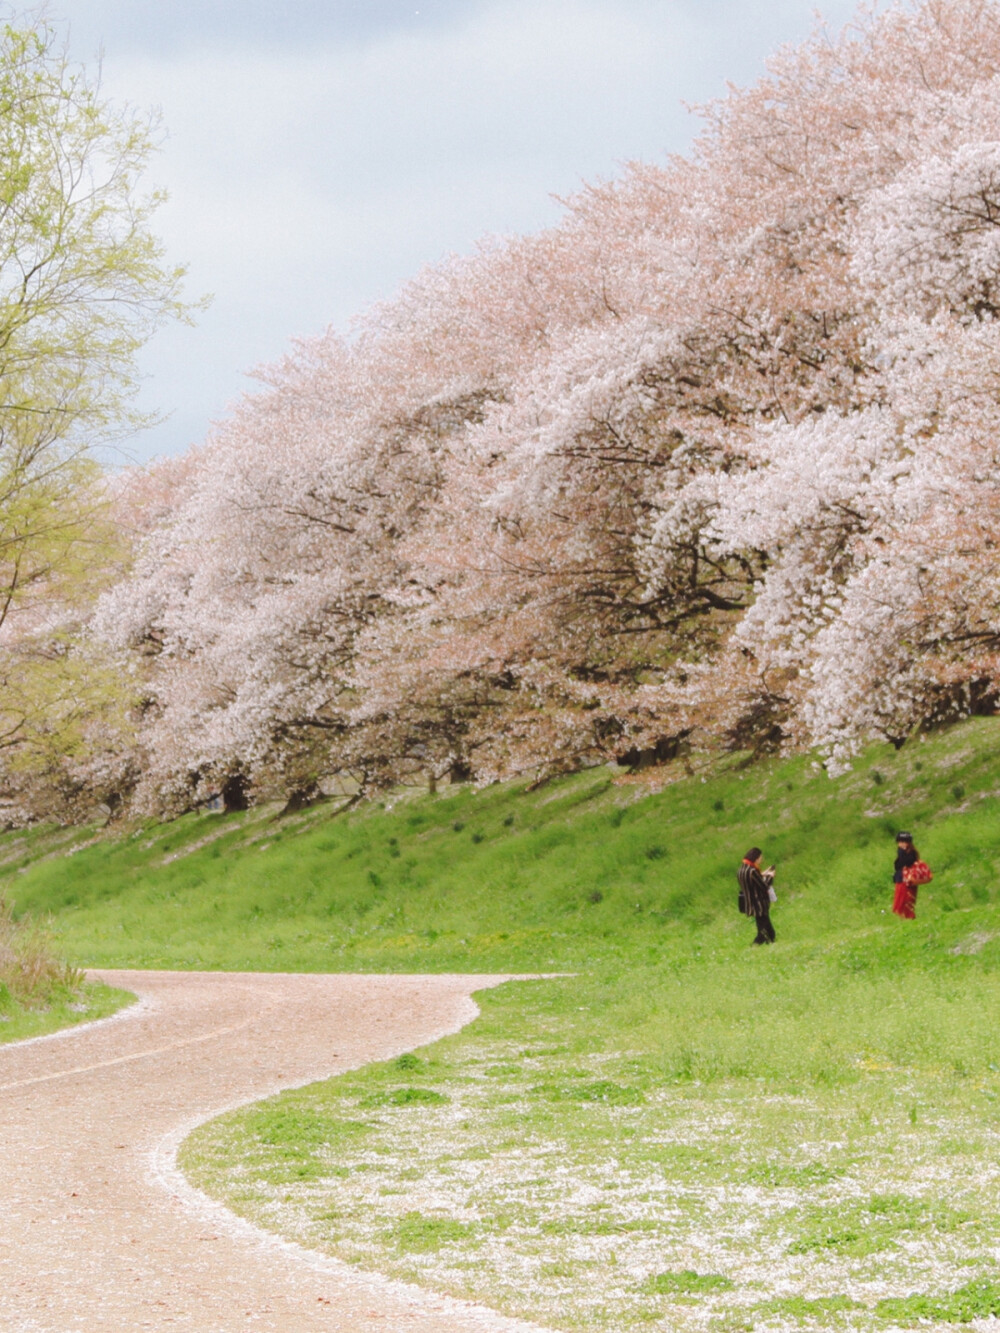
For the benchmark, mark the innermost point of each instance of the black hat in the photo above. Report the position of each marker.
(904, 837)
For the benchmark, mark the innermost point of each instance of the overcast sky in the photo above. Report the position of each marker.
(320, 151)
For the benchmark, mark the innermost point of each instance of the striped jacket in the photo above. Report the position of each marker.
(754, 900)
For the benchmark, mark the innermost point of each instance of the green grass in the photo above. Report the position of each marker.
(688, 1133)
(976, 1300)
(62, 1008)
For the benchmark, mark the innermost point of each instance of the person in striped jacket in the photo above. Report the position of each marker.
(755, 894)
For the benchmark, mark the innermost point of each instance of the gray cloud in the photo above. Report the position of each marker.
(320, 153)
(156, 27)
(182, 25)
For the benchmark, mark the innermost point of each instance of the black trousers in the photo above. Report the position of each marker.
(765, 931)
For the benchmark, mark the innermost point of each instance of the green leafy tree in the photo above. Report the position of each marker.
(84, 283)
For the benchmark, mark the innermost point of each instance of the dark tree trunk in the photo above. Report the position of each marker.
(234, 794)
(665, 749)
(115, 805)
(301, 799)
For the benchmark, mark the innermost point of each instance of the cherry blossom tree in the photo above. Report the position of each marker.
(712, 462)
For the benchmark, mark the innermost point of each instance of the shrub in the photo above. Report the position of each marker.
(30, 973)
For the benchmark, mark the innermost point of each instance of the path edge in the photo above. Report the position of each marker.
(166, 1174)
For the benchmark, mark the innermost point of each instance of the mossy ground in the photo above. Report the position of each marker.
(688, 1132)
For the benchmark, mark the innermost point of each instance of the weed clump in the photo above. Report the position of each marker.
(418, 1233)
(604, 1090)
(407, 1097)
(687, 1283)
(30, 973)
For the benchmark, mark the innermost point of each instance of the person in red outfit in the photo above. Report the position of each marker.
(904, 900)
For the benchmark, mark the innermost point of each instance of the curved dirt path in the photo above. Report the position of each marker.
(101, 1234)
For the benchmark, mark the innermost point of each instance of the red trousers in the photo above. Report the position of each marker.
(905, 901)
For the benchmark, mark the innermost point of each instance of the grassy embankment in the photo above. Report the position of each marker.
(689, 1133)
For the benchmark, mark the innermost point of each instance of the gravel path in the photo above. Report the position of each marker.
(102, 1234)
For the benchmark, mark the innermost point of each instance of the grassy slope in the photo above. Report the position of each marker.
(506, 879)
(683, 1106)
